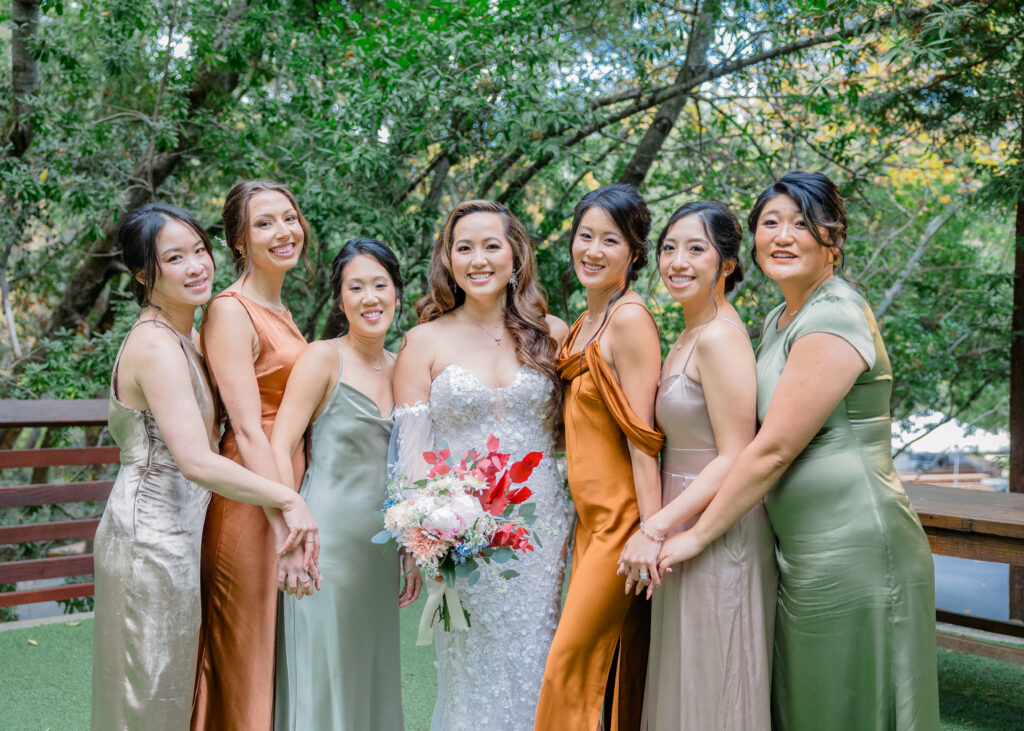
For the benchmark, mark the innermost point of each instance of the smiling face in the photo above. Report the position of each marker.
(481, 255)
(690, 265)
(274, 235)
(367, 296)
(184, 267)
(600, 252)
(786, 250)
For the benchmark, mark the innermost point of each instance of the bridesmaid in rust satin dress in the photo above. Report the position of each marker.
(610, 360)
(250, 343)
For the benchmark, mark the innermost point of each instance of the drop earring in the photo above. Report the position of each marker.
(513, 281)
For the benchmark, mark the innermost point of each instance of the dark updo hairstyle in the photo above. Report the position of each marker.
(820, 203)
(137, 238)
(628, 211)
(723, 230)
(379, 252)
(236, 220)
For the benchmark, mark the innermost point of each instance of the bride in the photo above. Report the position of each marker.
(481, 362)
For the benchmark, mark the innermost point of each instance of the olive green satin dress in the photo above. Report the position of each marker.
(338, 650)
(147, 548)
(855, 622)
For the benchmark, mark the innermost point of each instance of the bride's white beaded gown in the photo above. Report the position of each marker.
(489, 676)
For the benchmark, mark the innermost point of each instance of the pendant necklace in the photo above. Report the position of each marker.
(497, 340)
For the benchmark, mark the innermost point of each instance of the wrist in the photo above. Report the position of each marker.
(651, 535)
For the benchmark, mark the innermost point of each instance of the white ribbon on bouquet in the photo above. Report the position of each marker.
(436, 591)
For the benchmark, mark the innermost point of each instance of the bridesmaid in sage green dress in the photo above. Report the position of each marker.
(338, 651)
(855, 622)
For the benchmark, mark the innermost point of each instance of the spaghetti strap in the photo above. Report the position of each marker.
(700, 331)
(337, 347)
(737, 325)
(615, 308)
(117, 358)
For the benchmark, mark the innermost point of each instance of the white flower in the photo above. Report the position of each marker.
(442, 520)
(467, 508)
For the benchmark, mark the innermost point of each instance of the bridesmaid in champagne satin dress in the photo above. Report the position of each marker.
(855, 620)
(250, 343)
(610, 361)
(163, 415)
(712, 617)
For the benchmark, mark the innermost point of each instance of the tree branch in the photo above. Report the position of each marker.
(209, 88)
(657, 96)
(929, 233)
(701, 35)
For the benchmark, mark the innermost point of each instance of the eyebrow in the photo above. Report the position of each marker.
(173, 249)
(260, 213)
(486, 239)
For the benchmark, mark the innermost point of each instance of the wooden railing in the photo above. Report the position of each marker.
(18, 415)
(974, 524)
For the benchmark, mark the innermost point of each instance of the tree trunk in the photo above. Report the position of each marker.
(696, 63)
(1017, 393)
(24, 72)
(99, 263)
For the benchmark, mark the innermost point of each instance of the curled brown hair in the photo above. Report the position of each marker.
(525, 308)
(236, 220)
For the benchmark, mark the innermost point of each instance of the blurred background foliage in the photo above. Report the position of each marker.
(380, 116)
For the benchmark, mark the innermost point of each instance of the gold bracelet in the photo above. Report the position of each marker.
(656, 539)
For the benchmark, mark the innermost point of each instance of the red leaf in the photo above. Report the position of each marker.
(492, 443)
(430, 457)
(522, 469)
(517, 496)
(443, 454)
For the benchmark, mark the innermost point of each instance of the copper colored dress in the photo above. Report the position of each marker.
(235, 680)
(598, 616)
(147, 571)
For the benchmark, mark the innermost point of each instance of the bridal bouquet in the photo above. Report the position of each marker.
(458, 519)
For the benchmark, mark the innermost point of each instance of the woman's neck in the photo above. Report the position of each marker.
(263, 287)
(703, 312)
(598, 299)
(490, 312)
(796, 294)
(178, 316)
(369, 348)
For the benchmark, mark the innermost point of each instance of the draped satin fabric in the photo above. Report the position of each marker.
(598, 618)
(235, 678)
(147, 570)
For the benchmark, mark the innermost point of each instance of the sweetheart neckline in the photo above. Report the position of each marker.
(480, 381)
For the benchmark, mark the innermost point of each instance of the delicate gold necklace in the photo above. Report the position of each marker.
(497, 340)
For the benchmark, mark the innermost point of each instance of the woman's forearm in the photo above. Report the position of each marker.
(694, 498)
(646, 482)
(230, 479)
(756, 469)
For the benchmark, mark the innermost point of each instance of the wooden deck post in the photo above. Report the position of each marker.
(1017, 394)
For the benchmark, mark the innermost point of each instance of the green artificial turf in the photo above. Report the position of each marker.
(46, 685)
